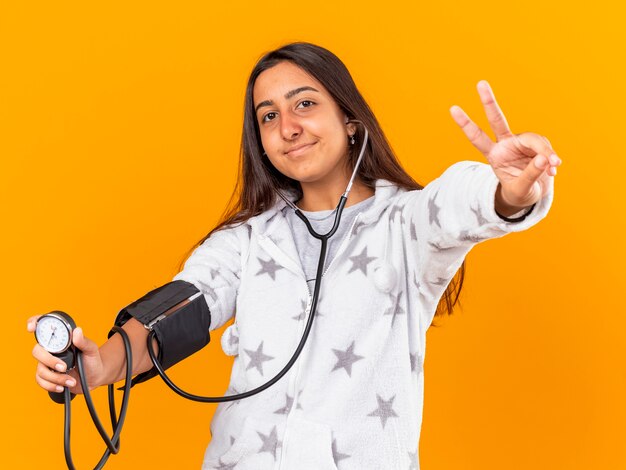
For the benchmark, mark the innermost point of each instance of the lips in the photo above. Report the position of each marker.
(297, 150)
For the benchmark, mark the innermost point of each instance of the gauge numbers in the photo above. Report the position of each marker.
(53, 333)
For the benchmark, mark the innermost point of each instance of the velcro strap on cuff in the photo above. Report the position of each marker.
(155, 303)
(179, 334)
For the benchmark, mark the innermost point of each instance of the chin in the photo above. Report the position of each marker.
(306, 179)
(303, 176)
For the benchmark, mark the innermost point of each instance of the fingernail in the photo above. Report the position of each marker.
(70, 383)
(540, 161)
(60, 367)
(554, 159)
(59, 388)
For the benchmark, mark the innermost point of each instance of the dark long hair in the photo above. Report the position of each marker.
(258, 181)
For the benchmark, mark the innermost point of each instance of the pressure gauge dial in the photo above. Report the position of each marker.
(54, 332)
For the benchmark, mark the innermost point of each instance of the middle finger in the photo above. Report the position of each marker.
(54, 377)
(496, 118)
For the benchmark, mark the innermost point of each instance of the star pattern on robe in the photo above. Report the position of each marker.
(396, 210)
(337, 456)
(413, 232)
(361, 261)
(273, 216)
(225, 466)
(270, 442)
(305, 312)
(433, 211)
(479, 216)
(268, 267)
(302, 315)
(413, 461)
(214, 273)
(208, 290)
(257, 358)
(231, 391)
(438, 247)
(276, 239)
(395, 309)
(416, 363)
(440, 281)
(465, 236)
(384, 410)
(420, 290)
(288, 405)
(357, 226)
(418, 286)
(346, 358)
(233, 339)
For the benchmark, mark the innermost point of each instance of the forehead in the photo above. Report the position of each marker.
(273, 83)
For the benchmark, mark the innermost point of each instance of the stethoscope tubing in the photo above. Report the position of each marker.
(117, 422)
(316, 289)
(285, 369)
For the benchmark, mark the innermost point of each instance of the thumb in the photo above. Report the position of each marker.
(531, 174)
(87, 346)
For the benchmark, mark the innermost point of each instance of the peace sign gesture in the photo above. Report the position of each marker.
(524, 163)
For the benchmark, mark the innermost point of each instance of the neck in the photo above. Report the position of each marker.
(320, 197)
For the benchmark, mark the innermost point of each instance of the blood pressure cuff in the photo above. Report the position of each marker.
(180, 333)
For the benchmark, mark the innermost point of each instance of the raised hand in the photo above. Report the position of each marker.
(525, 164)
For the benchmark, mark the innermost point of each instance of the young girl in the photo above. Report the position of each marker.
(353, 400)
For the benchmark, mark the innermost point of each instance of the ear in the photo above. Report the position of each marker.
(351, 127)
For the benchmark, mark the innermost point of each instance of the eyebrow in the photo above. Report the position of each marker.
(288, 95)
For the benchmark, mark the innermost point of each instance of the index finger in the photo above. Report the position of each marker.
(496, 118)
(475, 134)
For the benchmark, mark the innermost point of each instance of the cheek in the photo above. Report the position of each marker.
(338, 142)
(266, 141)
(279, 164)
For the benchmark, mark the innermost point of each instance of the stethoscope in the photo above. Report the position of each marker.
(54, 333)
(316, 289)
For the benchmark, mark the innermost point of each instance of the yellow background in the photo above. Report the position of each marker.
(119, 134)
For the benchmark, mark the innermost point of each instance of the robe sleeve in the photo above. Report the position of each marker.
(215, 269)
(452, 214)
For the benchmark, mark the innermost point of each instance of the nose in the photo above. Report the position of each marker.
(290, 127)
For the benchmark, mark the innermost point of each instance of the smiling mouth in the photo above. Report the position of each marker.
(299, 149)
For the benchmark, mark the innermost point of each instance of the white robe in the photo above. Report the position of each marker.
(354, 398)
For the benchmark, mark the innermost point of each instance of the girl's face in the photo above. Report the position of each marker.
(303, 131)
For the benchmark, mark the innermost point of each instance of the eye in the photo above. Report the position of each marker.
(268, 117)
(305, 104)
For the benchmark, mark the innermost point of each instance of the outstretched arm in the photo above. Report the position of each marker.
(523, 163)
(103, 365)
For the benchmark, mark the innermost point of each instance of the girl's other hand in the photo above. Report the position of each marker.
(51, 373)
(524, 163)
